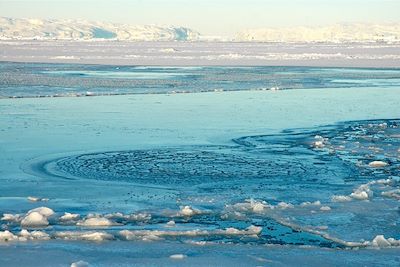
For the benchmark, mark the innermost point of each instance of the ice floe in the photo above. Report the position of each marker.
(188, 211)
(69, 217)
(97, 221)
(80, 264)
(86, 235)
(377, 164)
(178, 256)
(34, 219)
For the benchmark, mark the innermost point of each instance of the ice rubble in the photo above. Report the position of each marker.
(86, 235)
(151, 235)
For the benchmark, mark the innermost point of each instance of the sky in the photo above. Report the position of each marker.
(209, 17)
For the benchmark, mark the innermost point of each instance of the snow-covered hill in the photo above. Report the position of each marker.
(28, 29)
(354, 32)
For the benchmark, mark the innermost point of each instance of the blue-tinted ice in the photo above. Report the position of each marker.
(200, 174)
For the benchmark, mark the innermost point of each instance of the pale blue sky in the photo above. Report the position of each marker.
(210, 17)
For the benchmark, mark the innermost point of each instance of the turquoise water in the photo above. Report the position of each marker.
(260, 173)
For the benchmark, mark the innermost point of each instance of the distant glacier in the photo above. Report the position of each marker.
(40, 29)
(337, 33)
(43, 29)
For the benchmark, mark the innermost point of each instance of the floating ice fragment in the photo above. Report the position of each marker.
(363, 192)
(88, 236)
(341, 198)
(170, 224)
(35, 235)
(284, 205)
(11, 217)
(80, 264)
(256, 230)
(392, 194)
(6, 236)
(307, 203)
(325, 208)
(69, 217)
(319, 144)
(188, 211)
(47, 212)
(34, 219)
(361, 195)
(380, 241)
(97, 221)
(178, 256)
(37, 199)
(377, 164)
(251, 205)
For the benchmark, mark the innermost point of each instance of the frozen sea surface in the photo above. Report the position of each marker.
(54, 80)
(250, 177)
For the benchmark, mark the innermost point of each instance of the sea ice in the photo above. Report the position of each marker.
(80, 264)
(6, 236)
(96, 221)
(377, 164)
(69, 217)
(178, 256)
(34, 219)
